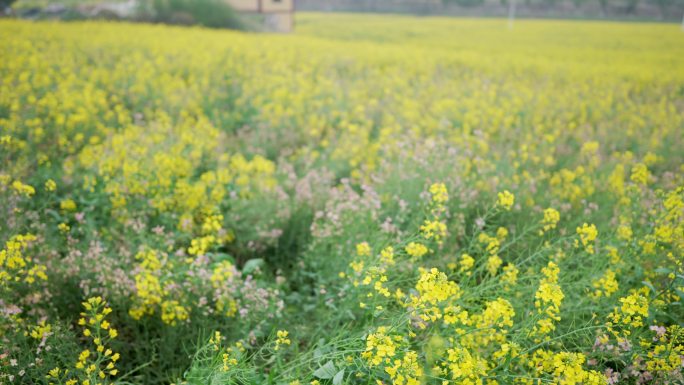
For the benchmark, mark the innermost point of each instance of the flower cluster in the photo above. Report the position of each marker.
(15, 266)
(631, 312)
(282, 339)
(605, 286)
(587, 234)
(96, 366)
(505, 200)
(416, 250)
(434, 292)
(565, 368)
(550, 220)
(548, 300)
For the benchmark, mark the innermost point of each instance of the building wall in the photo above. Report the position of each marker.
(264, 6)
(244, 5)
(277, 5)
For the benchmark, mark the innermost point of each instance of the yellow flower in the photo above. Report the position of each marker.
(63, 227)
(439, 193)
(50, 185)
(387, 255)
(510, 276)
(433, 229)
(606, 285)
(466, 262)
(67, 205)
(493, 264)
(54, 372)
(416, 250)
(434, 289)
(551, 218)
(96, 311)
(379, 347)
(588, 235)
(624, 232)
(506, 200)
(640, 174)
(23, 189)
(363, 249)
(548, 300)
(282, 338)
(40, 331)
(228, 362)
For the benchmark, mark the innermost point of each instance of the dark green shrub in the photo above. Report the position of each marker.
(464, 3)
(5, 4)
(208, 13)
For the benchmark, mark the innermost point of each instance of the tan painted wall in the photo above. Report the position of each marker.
(277, 5)
(244, 5)
(266, 5)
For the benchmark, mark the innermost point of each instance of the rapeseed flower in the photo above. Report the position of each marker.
(505, 200)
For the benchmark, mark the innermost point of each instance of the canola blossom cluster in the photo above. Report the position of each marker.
(372, 199)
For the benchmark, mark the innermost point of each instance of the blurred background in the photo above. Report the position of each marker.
(279, 15)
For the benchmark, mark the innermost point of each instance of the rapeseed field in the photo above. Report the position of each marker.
(372, 199)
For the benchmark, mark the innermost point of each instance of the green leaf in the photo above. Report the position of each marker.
(680, 293)
(219, 257)
(326, 371)
(321, 350)
(650, 286)
(339, 377)
(252, 265)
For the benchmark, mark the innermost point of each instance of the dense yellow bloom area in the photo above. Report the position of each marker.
(372, 199)
(15, 265)
(434, 289)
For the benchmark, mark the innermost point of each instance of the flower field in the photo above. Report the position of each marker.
(370, 200)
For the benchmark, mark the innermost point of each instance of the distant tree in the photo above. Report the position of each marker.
(578, 3)
(604, 7)
(630, 5)
(5, 4)
(209, 13)
(464, 3)
(663, 5)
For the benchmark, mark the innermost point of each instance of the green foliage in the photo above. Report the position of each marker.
(630, 5)
(464, 3)
(6, 4)
(208, 13)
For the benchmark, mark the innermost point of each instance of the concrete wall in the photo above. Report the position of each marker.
(262, 5)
